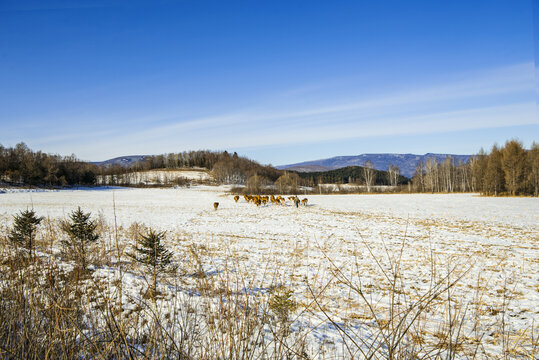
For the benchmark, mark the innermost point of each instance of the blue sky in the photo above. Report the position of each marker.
(277, 81)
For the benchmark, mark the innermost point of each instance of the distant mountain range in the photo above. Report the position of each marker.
(122, 160)
(405, 162)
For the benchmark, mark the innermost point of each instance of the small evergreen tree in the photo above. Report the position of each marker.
(24, 229)
(152, 254)
(282, 304)
(81, 231)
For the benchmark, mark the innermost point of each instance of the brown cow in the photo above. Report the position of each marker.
(215, 205)
(304, 202)
(236, 198)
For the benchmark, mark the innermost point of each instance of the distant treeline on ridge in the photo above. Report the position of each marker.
(352, 175)
(508, 170)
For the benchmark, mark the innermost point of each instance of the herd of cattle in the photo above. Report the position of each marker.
(259, 200)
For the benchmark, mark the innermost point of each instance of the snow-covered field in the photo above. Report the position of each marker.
(337, 254)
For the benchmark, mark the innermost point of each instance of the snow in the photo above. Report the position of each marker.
(306, 245)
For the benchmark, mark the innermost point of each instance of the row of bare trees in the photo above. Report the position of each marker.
(287, 183)
(511, 170)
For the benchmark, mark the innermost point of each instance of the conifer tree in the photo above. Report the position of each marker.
(24, 229)
(494, 175)
(81, 231)
(478, 169)
(152, 254)
(513, 162)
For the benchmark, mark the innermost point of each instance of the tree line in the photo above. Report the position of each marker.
(356, 175)
(21, 166)
(511, 170)
(507, 170)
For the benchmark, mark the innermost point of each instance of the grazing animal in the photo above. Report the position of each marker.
(304, 202)
(236, 198)
(215, 205)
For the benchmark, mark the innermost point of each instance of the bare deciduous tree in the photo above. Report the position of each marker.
(394, 173)
(368, 174)
(288, 183)
(419, 177)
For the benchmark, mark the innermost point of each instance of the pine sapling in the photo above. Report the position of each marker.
(81, 232)
(24, 230)
(282, 304)
(152, 254)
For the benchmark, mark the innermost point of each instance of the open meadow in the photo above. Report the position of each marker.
(346, 276)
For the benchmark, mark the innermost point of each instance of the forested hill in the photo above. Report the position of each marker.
(125, 161)
(350, 174)
(405, 162)
(22, 166)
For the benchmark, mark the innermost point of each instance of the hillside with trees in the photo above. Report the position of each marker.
(21, 166)
(226, 168)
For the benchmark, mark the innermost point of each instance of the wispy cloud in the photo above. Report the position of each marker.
(488, 99)
(475, 96)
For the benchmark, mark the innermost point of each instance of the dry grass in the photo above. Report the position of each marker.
(214, 305)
